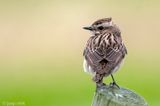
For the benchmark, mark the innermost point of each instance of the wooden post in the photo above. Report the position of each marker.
(114, 96)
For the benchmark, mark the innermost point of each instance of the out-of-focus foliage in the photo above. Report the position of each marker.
(42, 41)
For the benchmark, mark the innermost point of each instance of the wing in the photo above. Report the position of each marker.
(91, 54)
(99, 48)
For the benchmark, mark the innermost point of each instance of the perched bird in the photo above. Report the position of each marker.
(104, 51)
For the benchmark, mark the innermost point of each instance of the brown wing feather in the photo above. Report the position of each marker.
(103, 52)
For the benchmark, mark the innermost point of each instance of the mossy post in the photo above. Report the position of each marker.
(114, 96)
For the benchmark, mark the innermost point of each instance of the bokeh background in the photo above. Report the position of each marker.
(42, 41)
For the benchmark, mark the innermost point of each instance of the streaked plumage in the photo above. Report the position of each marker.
(104, 51)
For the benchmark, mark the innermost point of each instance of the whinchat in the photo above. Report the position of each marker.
(104, 51)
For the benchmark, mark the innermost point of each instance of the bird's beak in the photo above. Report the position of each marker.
(88, 28)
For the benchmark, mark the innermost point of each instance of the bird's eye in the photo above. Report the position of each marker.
(100, 27)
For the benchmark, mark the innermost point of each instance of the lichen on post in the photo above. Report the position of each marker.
(113, 96)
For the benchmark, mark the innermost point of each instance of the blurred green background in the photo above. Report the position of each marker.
(42, 41)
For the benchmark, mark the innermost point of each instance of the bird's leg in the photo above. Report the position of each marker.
(114, 82)
(100, 84)
(98, 78)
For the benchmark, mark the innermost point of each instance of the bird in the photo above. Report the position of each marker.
(104, 51)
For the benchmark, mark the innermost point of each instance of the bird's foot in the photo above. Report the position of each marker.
(100, 85)
(114, 84)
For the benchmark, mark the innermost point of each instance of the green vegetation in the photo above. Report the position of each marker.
(40, 83)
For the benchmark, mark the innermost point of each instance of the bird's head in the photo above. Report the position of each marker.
(100, 26)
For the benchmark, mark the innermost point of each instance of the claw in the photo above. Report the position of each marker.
(100, 85)
(114, 84)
